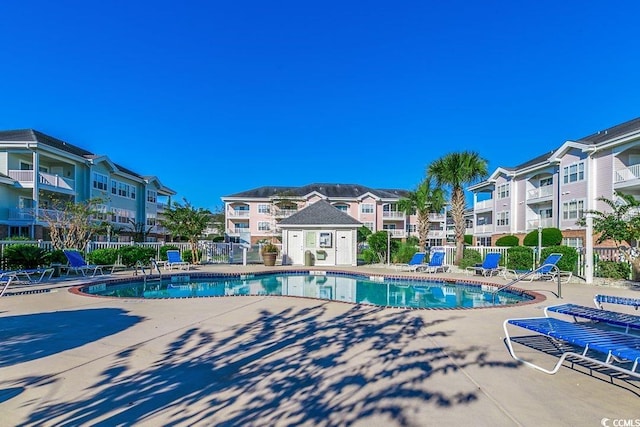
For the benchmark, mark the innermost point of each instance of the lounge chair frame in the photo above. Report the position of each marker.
(614, 318)
(616, 347)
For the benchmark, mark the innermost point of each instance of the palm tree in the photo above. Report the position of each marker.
(188, 222)
(456, 170)
(620, 225)
(423, 201)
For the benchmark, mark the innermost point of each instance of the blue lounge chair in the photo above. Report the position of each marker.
(610, 349)
(436, 263)
(175, 260)
(489, 266)
(77, 264)
(416, 261)
(610, 299)
(614, 318)
(548, 270)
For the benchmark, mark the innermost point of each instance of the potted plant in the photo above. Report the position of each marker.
(269, 253)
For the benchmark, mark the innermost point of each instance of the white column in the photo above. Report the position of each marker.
(588, 241)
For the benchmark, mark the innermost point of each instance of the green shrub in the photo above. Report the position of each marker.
(130, 255)
(57, 256)
(369, 256)
(519, 258)
(404, 253)
(508, 241)
(470, 257)
(468, 239)
(187, 255)
(22, 256)
(550, 237)
(569, 260)
(613, 270)
(105, 256)
(164, 249)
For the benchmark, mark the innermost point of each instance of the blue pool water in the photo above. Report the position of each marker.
(379, 291)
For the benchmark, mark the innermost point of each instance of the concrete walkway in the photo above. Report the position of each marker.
(69, 360)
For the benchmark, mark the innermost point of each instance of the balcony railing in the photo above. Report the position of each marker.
(627, 174)
(284, 213)
(485, 204)
(544, 223)
(27, 214)
(25, 177)
(395, 232)
(484, 228)
(393, 215)
(238, 213)
(540, 192)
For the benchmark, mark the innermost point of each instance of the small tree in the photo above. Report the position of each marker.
(139, 230)
(621, 225)
(72, 225)
(187, 222)
(426, 199)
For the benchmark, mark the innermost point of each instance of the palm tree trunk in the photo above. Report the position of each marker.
(457, 213)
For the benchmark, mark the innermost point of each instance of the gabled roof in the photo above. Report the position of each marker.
(331, 191)
(612, 132)
(320, 213)
(35, 136)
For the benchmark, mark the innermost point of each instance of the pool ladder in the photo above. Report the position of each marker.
(150, 277)
(524, 276)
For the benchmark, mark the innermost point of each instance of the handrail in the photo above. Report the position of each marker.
(154, 264)
(529, 273)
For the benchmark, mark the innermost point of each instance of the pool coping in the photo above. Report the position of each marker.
(535, 297)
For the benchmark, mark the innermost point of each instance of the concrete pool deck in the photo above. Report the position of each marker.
(69, 359)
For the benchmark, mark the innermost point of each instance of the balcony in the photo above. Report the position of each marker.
(237, 213)
(532, 224)
(284, 213)
(483, 205)
(627, 174)
(540, 193)
(398, 234)
(47, 181)
(28, 214)
(483, 229)
(437, 217)
(393, 215)
(436, 234)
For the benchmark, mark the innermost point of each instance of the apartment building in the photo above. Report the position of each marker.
(37, 171)
(253, 215)
(556, 188)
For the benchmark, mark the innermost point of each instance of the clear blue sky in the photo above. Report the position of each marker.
(217, 97)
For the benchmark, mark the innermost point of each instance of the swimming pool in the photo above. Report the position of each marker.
(399, 292)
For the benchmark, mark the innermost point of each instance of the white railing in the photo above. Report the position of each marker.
(238, 213)
(484, 228)
(436, 234)
(395, 233)
(485, 204)
(436, 217)
(283, 213)
(626, 174)
(537, 193)
(393, 215)
(44, 178)
(544, 223)
(26, 214)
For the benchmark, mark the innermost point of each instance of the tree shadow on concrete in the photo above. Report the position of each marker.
(33, 336)
(297, 366)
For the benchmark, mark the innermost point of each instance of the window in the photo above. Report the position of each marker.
(573, 209)
(545, 182)
(342, 208)
(114, 186)
(264, 208)
(152, 196)
(102, 213)
(100, 182)
(502, 218)
(503, 191)
(573, 242)
(412, 228)
(151, 219)
(369, 225)
(484, 241)
(573, 173)
(366, 208)
(264, 226)
(122, 216)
